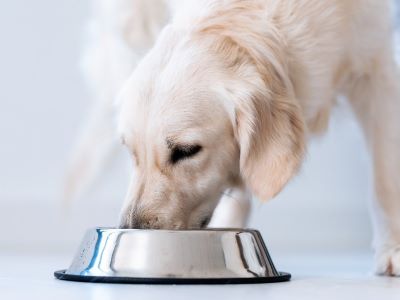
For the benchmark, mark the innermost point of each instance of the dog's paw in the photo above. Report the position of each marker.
(387, 261)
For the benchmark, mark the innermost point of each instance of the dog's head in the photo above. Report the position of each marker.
(202, 112)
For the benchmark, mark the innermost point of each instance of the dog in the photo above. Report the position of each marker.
(217, 100)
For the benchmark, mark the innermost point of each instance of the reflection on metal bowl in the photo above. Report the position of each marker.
(172, 256)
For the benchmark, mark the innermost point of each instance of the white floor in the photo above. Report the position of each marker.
(314, 277)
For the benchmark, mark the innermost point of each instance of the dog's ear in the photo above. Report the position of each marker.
(271, 139)
(269, 124)
(269, 127)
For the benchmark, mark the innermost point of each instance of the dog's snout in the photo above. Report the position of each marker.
(145, 221)
(137, 221)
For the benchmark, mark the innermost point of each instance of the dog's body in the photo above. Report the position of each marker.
(228, 95)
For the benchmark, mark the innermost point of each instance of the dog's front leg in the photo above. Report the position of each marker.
(376, 100)
(232, 210)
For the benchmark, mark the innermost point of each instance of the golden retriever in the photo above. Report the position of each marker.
(217, 99)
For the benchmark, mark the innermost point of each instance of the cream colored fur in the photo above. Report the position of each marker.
(249, 81)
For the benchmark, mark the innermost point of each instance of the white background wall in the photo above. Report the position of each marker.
(43, 102)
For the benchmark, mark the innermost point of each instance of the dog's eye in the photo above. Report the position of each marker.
(184, 151)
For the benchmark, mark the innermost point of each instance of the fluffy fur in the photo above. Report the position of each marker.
(248, 82)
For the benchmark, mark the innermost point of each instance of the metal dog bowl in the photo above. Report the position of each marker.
(172, 256)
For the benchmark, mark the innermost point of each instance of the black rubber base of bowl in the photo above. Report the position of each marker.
(140, 280)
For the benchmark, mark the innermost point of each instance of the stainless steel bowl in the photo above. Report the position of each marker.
(172, 256)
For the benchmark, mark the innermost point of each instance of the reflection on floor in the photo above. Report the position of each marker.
(314, 277)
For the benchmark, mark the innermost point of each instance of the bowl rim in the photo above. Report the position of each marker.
(233, 229)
